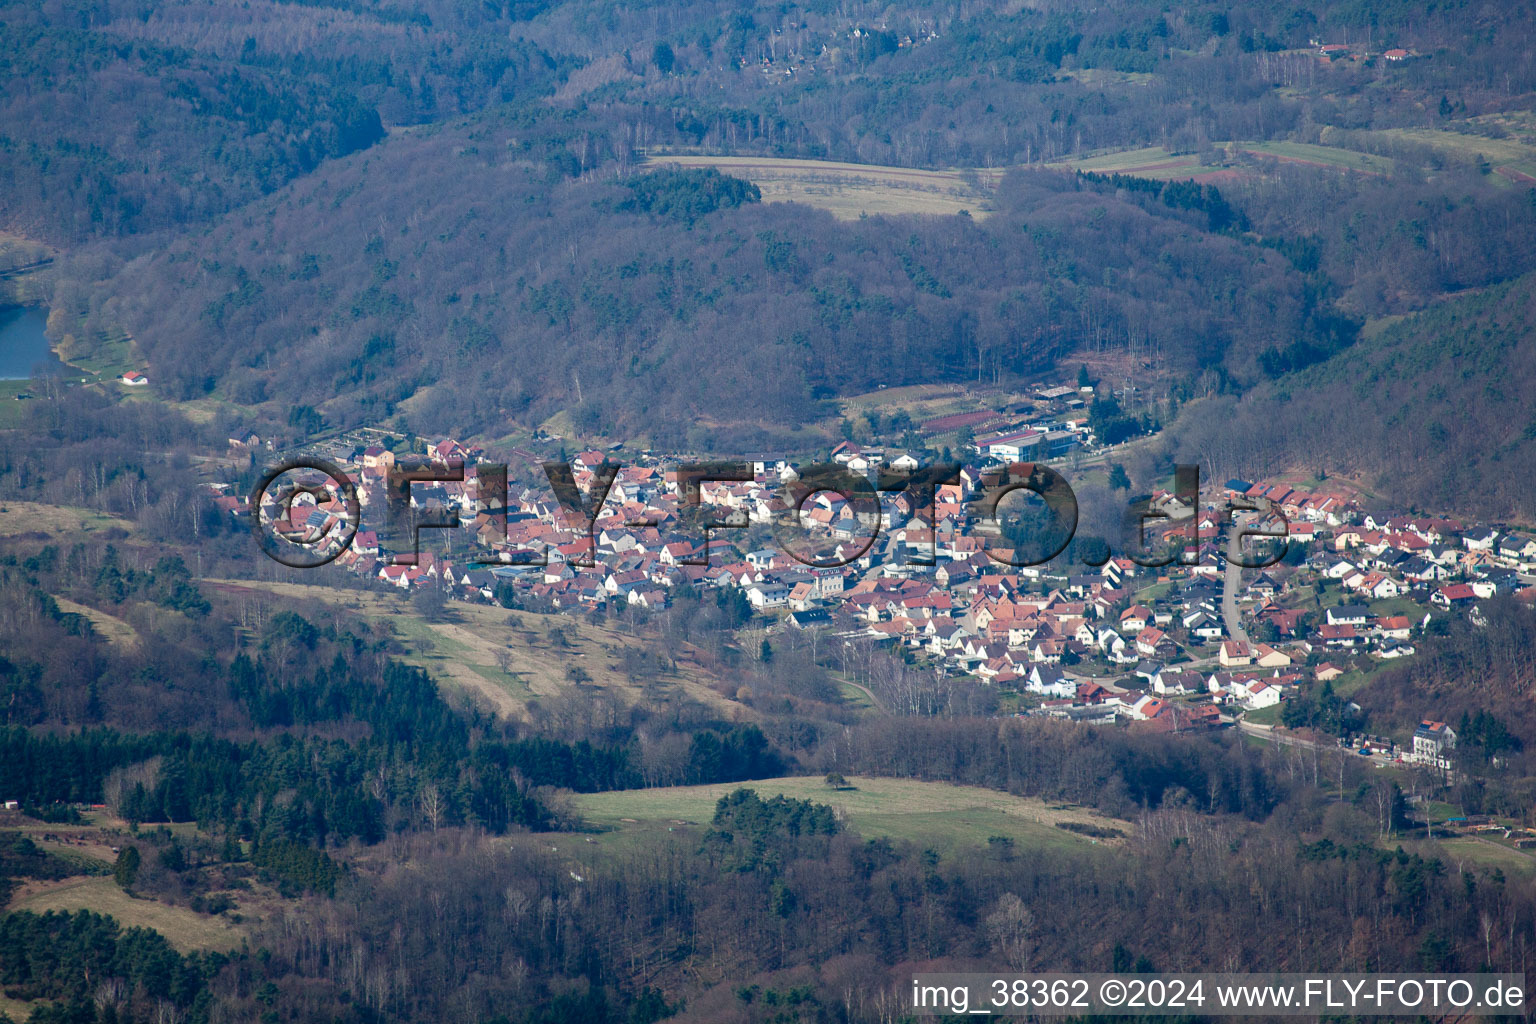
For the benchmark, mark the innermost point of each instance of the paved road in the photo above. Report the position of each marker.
(1234, 579)
(867, 692)
(1103, 455)
(1268, 732)
(25, 268)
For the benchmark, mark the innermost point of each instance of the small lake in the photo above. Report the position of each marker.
(23, 343)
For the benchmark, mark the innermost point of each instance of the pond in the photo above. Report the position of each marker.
(23, 342)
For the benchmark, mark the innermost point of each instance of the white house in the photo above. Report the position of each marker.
(1135, 618)
(1262, 695)
(1050, 681)
(1348, 615)
(1481, 539)
(768, 594)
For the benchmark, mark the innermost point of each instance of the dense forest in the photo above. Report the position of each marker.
(219, 135)
(811, 307)
(185, 728)
(274, 87)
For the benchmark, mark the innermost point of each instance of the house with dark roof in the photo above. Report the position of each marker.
(1349, 615)
(1432, 742)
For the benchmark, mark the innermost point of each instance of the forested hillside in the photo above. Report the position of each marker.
(184, 725)
(486, 260)
(104, 135)
(443, 270)
(1434, 411)
(1473, 671)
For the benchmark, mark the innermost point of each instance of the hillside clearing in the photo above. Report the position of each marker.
(1153, 162)
(505, 659)
(932, 813)
(1128, 161)
(13, 407)
(1462, 849)
(927, 401)
(112, 629)
(17, 1009)
(183, 928)
(1160, 164)
(19, 518)
(1519, 156)
(1318, 156)
(848, 191)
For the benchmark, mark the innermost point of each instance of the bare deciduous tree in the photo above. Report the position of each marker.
(1012, 928)
(431, 800)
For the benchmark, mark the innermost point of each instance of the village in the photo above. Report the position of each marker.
(1203, 643)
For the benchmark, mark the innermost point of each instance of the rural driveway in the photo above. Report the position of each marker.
(1234, 579)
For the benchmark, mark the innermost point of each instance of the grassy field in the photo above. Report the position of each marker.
(925, 402)
(1153, 162)
(1479, 851)
(849, 191)
(921, 401)
(1154, 592)
(1514, 153)
(198, 410)
(27, 517)
(104, 354)
(929, 813)
(1158, 163)
(185, 929)
(16, 1009)
(1107, 76)
(1126, 160)
(855, 697)
(1350, 683)
(113, 629)
(505, 658)
(1404, 606)
(1327, 156)
(85, 855)
(1263, 716)
(12, 409)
